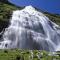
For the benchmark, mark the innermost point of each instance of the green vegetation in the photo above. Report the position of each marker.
(6, 10)
(17, 54)
(54, 17)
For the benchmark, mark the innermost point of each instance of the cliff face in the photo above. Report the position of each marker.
(7, 8)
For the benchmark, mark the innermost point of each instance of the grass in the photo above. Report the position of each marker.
(17, 54)
(53, 17)
(6, 11)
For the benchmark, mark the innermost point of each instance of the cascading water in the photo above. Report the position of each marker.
(30, 29)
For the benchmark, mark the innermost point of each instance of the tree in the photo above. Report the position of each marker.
(5, 1)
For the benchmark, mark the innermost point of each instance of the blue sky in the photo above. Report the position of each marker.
(52, 6)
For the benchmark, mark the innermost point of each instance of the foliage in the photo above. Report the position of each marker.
(53, 17)
(18, 54)
(6, 10)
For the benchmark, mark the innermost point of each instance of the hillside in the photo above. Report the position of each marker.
(7, 8)
(54, 17)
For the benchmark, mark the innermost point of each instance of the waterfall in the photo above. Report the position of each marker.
(31, 29)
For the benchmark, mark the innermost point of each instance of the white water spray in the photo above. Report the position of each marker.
(30, 29)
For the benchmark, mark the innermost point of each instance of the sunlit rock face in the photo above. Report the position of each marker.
(30, 29)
